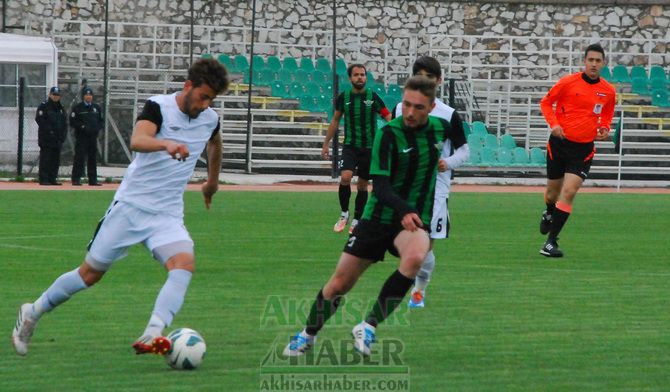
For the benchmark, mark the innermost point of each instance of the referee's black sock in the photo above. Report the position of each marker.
(345, 194)
(361, 199)
(558, 219)
(320, 312)
(392, 293)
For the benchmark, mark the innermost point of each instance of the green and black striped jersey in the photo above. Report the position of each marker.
(409, 158)
(360, 116)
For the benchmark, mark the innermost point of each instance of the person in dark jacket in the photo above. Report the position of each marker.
(52, 122)
(86, 120)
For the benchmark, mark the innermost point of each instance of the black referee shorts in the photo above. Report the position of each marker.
(565, 156)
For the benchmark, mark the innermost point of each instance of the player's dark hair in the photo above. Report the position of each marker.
(594, 48)
(423, 85)
(350, 69)
(428, 64)
(211, 73)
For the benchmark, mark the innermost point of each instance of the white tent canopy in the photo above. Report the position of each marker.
(23, 49)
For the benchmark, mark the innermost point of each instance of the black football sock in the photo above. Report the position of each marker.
(345, 194)
(320, 312)
(361, 199)
(392, 293)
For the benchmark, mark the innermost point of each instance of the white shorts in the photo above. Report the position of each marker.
(439, 223)
(124, 225)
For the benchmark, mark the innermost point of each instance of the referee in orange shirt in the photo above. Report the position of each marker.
(583, 113)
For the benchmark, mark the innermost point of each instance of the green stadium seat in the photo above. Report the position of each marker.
(638, 72)
(340, 67)
(605, 73)
(296, 90)
(479, 127)
(320, 76)
(312, 88)
(226, 61)
(286, 75)
(390, 101)
(323, 65)
(395, 89)
(266, 77)
(301, 76)
(520, 156)
(206, 56)
(620, 74)
(491, 141)
(290, 64)
(537, 156)
(474, 158)
(258, 62)
(308, 102)
(657, 84)
(657, 76)
(504, 156)
(508, 141)
(240, 64)
(273, 63)
(467, 128)
(640, 86)
(476, 141)
(377, 88)
(370, 77)
(660, 98)
(278, 89)
(487, 156)
(307, 64)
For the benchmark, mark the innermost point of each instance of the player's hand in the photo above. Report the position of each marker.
(411, 221)
(325, 151)
(558, 132)
(442, 166)
(177, 151)
(603, 133)
(208, 190)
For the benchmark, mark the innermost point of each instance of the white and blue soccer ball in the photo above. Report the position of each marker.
(187, 349)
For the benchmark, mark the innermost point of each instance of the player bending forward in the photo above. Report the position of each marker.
(170, 134)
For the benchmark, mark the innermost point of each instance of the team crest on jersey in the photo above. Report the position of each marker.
(368, 102)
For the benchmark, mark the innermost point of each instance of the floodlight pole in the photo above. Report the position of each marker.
(247, 159)
(19, 151)
(105, 84)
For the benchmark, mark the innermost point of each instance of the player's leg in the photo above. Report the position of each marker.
(571, 185)
(363, 171)
(412, 247)
(172, 246)
(348, 270)
(344, 194)
(104, 249)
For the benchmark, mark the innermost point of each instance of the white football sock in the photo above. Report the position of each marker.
(424, 274)
(60, 291)
(169, 301)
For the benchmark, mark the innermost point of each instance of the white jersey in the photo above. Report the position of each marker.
(443, 183)
(155, 182)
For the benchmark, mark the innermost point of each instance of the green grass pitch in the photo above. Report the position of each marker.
(499, 316)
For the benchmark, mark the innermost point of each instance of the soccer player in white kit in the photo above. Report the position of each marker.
(169, 136)
(439, 226)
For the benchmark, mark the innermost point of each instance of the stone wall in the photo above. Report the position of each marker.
(380, 23)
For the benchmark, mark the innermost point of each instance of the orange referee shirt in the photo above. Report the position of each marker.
(582, 106)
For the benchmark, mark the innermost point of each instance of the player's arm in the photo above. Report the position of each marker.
(457, 136)
(214, 157)
(144, 138)
(382, 109)
(330, 133)
(380, 170)
(547, 108)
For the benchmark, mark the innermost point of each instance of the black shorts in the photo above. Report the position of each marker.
(564, 156)
(356, 158)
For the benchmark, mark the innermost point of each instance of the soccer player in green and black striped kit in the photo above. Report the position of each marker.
(359, 107)
(405, 162)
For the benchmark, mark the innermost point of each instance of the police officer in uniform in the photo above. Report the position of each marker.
(86, 120)
(52, 122)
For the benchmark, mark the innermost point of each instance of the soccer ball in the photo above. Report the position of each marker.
(187, 349)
